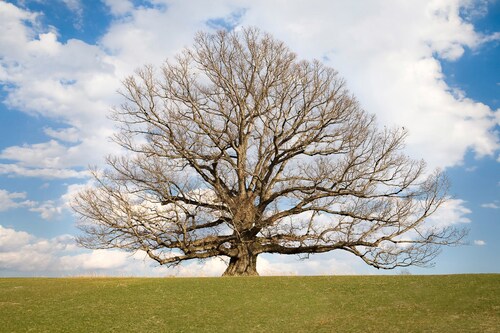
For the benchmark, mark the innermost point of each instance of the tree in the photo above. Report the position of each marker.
(237, 148)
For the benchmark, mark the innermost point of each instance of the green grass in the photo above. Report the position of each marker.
(453, 303)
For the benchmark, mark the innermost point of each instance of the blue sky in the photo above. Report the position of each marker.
(431, 66)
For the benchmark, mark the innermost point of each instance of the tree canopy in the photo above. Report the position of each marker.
(237, 148)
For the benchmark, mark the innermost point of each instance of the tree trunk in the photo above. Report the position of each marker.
(245, 264)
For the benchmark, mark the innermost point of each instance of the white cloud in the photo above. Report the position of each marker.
(11, 239)
(70, 134)
(452, 212)
(210, 267)
(46, 155)
(151, 35)
(389, 52)
(73, 5)
(48, 210)
(24, 254)
(479, 242)
(72, 190)
(401, 80)
(492, 205)
(76, 7)
(442, 126)
(334, 263)
(95, 260)
(52, 209)
(71, 83)
(46, 173)
(10, 200)
(119, 7)
(16, 34)
(55, 155)
(21, 252)
(393, 71)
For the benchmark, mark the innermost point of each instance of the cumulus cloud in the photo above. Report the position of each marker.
(47, 210)
(46, 154)
(64, 134)
(21, 253)
(95, 260)
(47, 173)
(55, 209)
(119, 7)
(70, 83)
(396, 73)
(24, 254)
(492, 205)
(390, 52)
(452, 212)
(73, 5)
(335, 263)
(11, 239)
(10, 200)
(76, 7)
(479, 242)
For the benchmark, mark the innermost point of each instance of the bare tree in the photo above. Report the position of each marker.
(236, 148)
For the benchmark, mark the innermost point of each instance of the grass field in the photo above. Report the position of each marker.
(454, 303)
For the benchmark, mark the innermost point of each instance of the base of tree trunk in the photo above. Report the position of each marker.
(242, 266)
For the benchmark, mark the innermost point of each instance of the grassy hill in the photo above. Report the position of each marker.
(448, 303)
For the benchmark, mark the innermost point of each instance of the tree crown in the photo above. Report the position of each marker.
(237, 148)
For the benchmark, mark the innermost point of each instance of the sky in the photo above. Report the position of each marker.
(432, 66)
